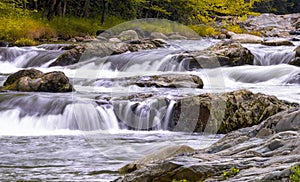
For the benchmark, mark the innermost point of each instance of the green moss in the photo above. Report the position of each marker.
(295, 176)
(232, 172)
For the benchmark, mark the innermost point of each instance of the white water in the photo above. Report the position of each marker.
(88, 75)
(84, 135)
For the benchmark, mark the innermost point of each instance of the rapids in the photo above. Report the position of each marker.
(85, 136)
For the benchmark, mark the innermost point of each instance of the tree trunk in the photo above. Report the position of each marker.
(104, 11)
(86, 8)
(64, 8)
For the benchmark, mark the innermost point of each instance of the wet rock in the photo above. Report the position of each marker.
(30, 73)
(295, 32)
(5, 44)
(170, 81)
(278, 42)
(223, 113)
(35, 81)
(128, 35)
(246, 38)
(253, 156)
(295, 62)
(270, 24)
(157, 156)
(76, 52)
(232, 54)
(114, 40)
(71, 56)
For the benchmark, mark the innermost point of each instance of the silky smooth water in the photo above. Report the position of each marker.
(79, 137)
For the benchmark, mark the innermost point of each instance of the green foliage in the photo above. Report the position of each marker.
(204, 30)
(278, 6)
(25, 42)
(232, 172)
(295, 176)
(71, 26)
(17, 23)
(234, 28)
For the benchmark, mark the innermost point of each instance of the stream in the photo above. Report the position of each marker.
(81, 136)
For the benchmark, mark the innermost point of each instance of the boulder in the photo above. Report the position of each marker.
(278, 42)
(223, 113)
(71, 55)
(246, 38)
(74, 53)
(35, 81)
(232, 54)
(265, 152)
(128, 35)
(271, 25)
(157, 156)
(30, 73)
(114, 40)
(170, 81)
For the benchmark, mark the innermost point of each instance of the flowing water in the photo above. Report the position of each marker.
(83, 136)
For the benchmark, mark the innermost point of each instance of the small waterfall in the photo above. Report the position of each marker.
(142, 61)
(170, 109)
(28, 56)
(151, 114)
(36, 113)
(266, 56)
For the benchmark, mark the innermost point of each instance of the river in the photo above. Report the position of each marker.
(81, 136)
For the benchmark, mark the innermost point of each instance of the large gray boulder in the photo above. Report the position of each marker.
(232, 54)
(265, 152)
(128, 35)
(278, 42)
(35, 81)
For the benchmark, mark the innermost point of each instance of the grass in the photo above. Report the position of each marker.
(28, 29)
(12, 29)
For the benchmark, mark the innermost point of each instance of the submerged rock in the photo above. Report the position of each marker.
(264, 152)
(157, 156)
(71, 56)
(232, 54)
(36, 81)
(170, 81)
(77, 52)
(278, 42)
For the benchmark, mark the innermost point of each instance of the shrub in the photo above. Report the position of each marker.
(204, 30)
(25, 42)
